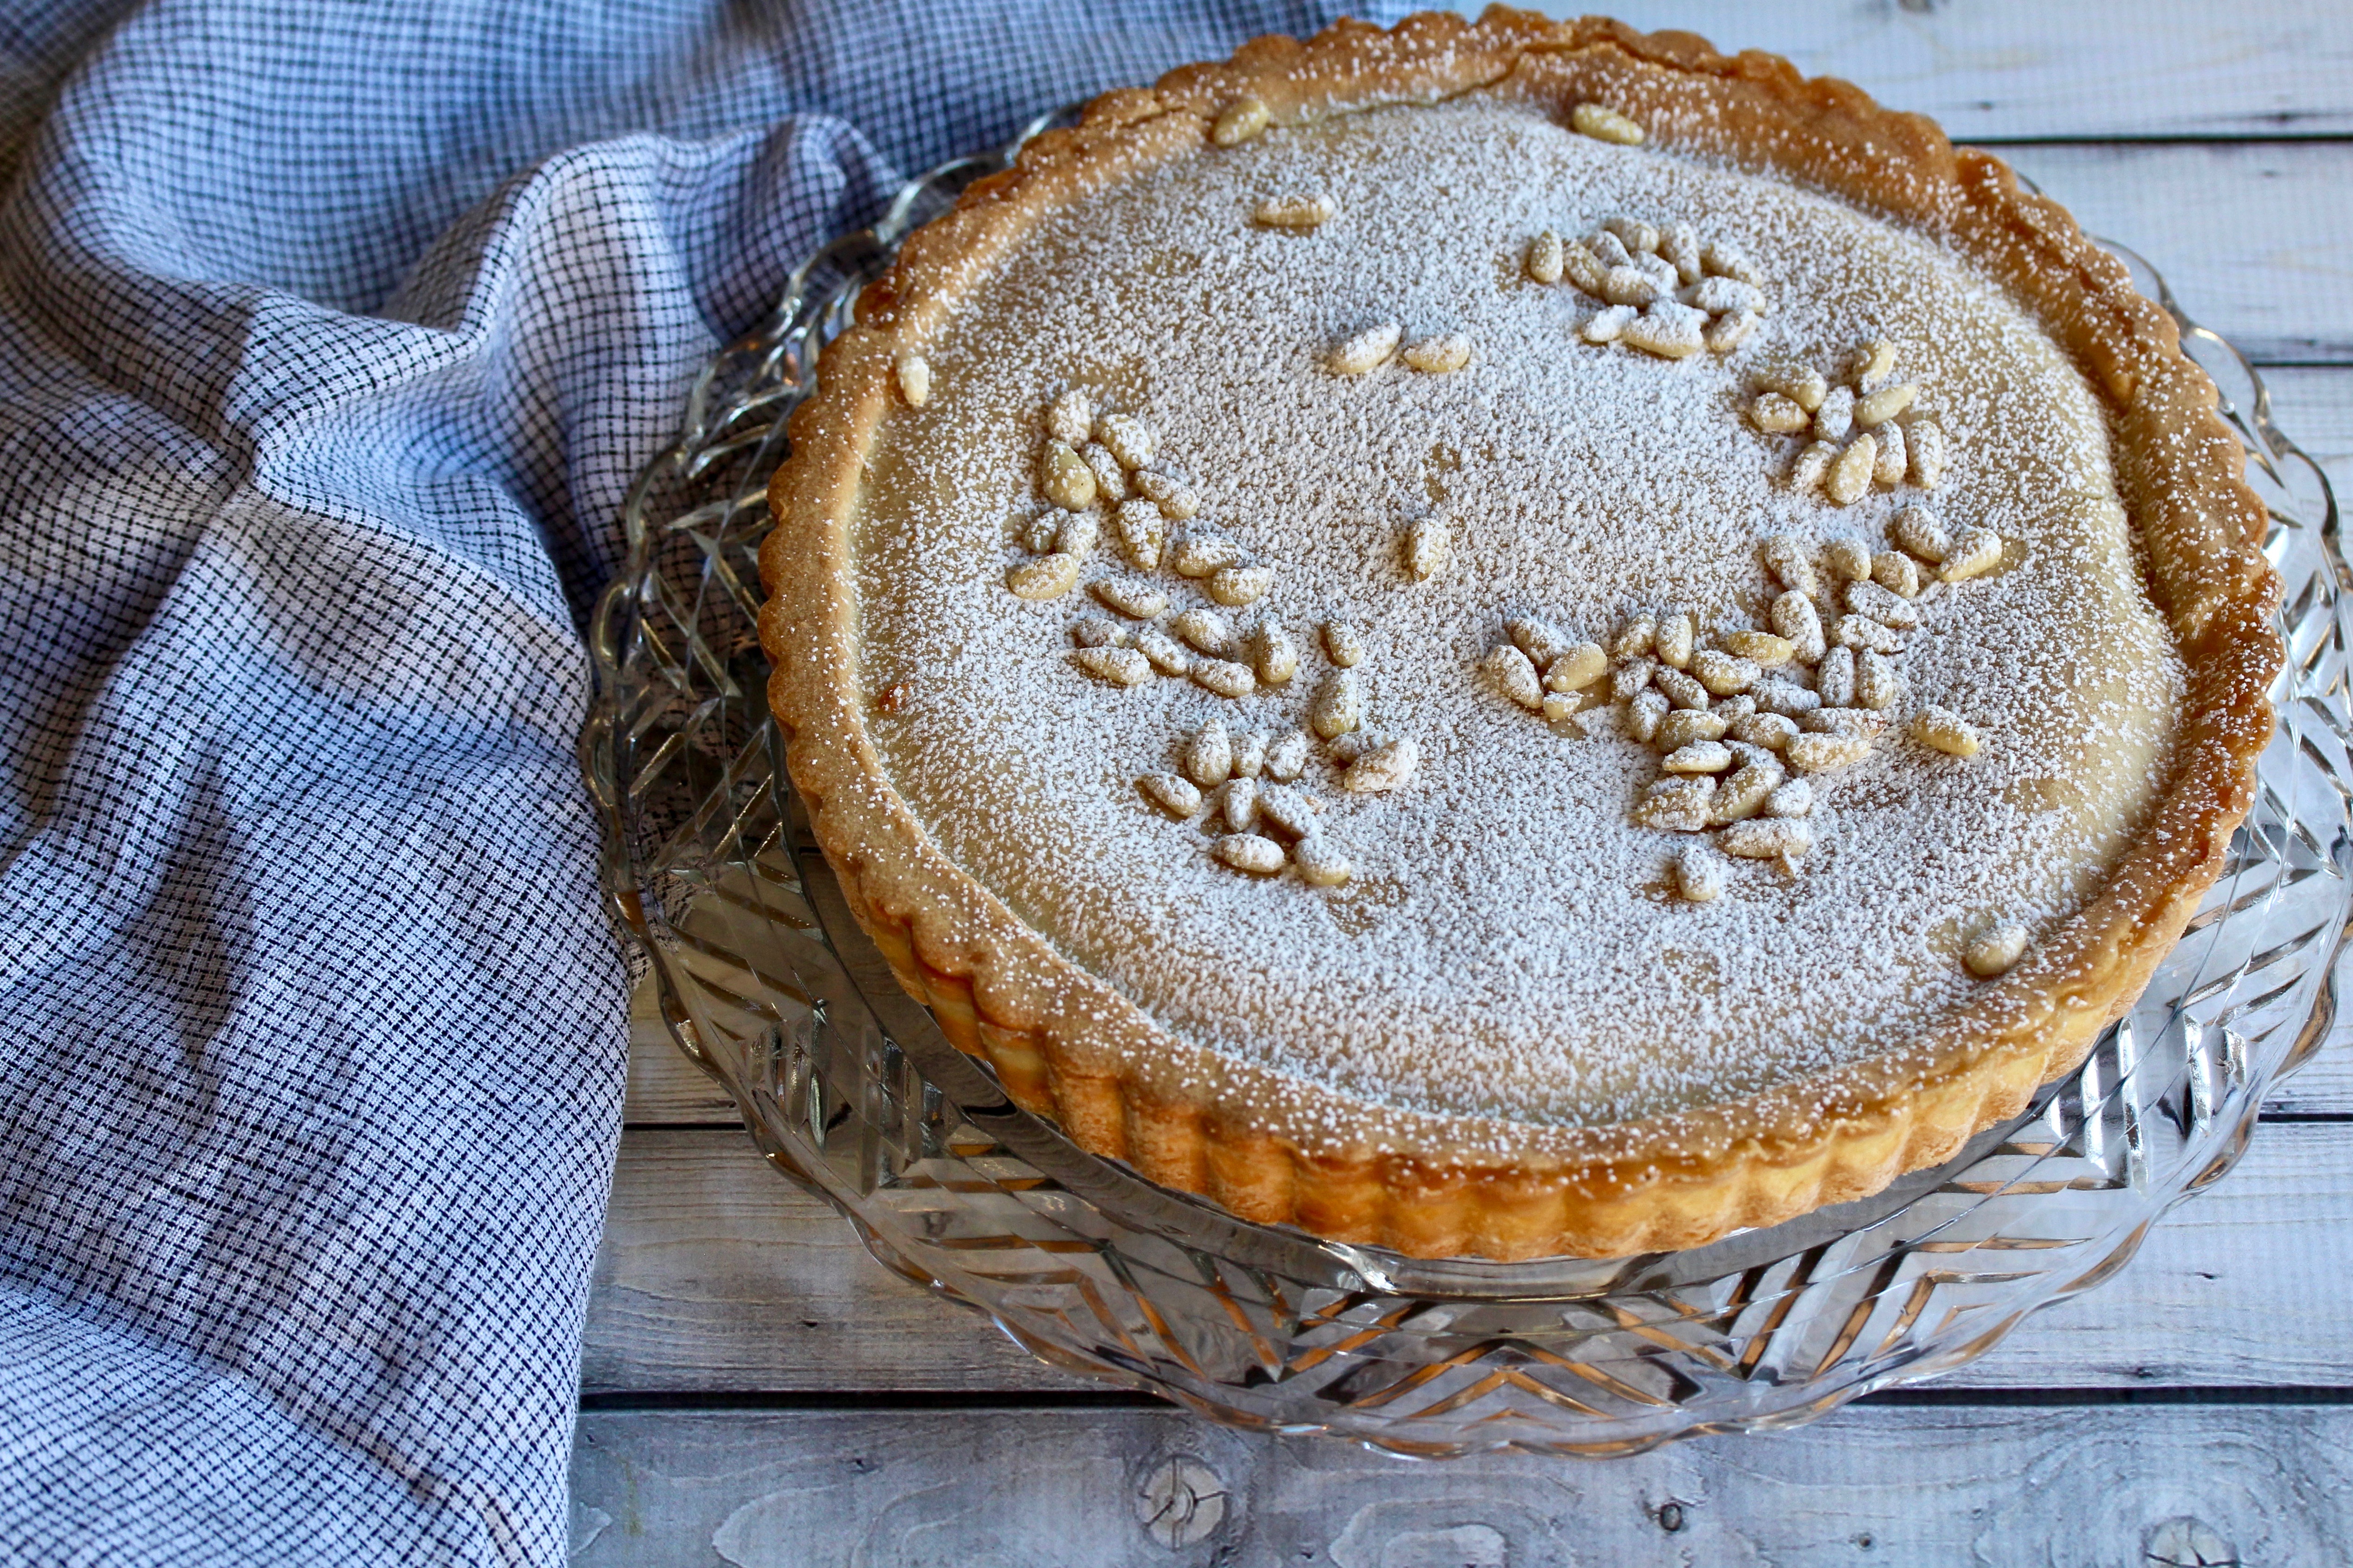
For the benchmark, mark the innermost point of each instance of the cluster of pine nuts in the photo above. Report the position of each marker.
(1745, 720)
(1260, 816)
(1859, 433)
(1663, 289)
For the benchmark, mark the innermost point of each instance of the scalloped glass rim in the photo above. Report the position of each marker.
(850, 1089)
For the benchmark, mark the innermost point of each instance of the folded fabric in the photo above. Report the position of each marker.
(330, 336)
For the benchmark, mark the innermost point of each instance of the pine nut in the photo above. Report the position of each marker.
(1687, 727)
(1773, 732)
(1578, 668)
(1093, 631)
(1812, 465)
(1205, 630)
(1065, 479)
(1127, 438)
(1699, 757)
(1726, 260)
(1630, 677)
(1199, 554)
(1880, 406)
(1385, 767)
(1667, 331)
(1645, 714)
(1287, 758)
(1945, 730)
(1763, 649)
(1768, 838)
(1298, 212)
(1249, 754)
(1118, 666)
(1850, 475)
(1896, 572)
(1926, 439)
(1604, 125)
(1975, 553)
(1635, 235)
(1439, 355)
(1681, 690)
(1865, 634)
(1882, 604)
(1725, 333)
(1208, 756)
(1343, 644)
(1044, 577)
(1608, 326)
(1871, 362)
(1240, 120)
(1834, 681)
(1876, 684)
(1236, 804)
(1175, 796)
(1802, 385)
(1787, 558)
(1699, 874)
(1543, 257)
(1638, 636)
(1286, 811)
(1628, 285)
(1678, 805)
(1888, 468)
(1826, 753)
(1996, 950)
(1679, 246)
(1916, 531)
(1136, 601)
(1513, 675)
(1224, 678)
(1337, 707)
(1368, 350)
(1237, 585)
(1166, 655)
(1429, 543)
(1110, 480)
(1834, 420)
(1176, 499)
(1071, 418)
(1672, 643)
(1777, 415)
(1320, 863)
(1723, 673)
(914, 373)
(1278, 656)
(1793, 798)
(1249, 852)
(1142, 531)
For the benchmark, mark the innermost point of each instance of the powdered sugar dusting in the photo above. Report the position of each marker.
(1509, 943)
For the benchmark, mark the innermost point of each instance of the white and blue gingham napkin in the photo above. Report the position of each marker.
(330, 334)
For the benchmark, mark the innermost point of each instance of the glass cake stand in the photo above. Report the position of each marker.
(850, 1089)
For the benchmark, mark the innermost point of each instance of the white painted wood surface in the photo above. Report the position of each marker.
(1999, 69)
(911, 1433)
(1905, 1486)
(718, 1277)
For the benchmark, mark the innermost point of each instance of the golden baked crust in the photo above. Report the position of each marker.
(1068, 1045)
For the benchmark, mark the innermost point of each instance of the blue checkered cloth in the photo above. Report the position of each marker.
(331, 335)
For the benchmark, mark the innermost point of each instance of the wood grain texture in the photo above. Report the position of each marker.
(2256, 239)
(719, 1276)
(2121, 1484)
(1992, 69)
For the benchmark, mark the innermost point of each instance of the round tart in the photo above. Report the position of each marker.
(1517, 639)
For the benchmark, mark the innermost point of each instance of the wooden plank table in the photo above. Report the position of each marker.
(757, 1390)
